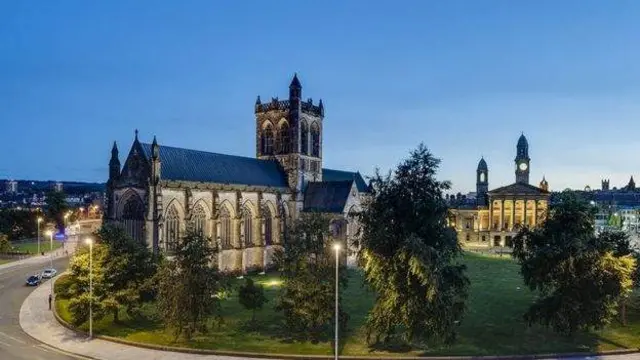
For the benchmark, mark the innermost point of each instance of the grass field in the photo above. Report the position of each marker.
(32, 247)
(493, 323)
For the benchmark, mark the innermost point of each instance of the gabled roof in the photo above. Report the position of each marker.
(202, 166)
(339, 175)
(518, 189)
(327, 196)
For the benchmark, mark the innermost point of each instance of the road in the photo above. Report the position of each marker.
(14, 343)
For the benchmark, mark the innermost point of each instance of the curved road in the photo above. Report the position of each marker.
(14, 343)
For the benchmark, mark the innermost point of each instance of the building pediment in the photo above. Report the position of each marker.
(518, 189)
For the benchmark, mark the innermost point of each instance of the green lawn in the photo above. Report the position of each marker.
(4, 261)
(492, 326)
(32, 247)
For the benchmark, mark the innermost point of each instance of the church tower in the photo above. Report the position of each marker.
(114, 174)
(482, 183)
(290, 131)
(522, 160)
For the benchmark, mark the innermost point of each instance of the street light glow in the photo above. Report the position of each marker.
(39, 219)
(48, 232)
(88, 241)
(336, 246)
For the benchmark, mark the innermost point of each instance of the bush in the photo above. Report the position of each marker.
(62, 286)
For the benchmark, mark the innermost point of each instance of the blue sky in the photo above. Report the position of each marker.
(464, 77)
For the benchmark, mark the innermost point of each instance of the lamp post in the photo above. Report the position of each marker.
(90, 242)
(50, 234)
(39, 220)
(336, 247)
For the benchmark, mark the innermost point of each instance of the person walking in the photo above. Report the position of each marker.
(50, 298)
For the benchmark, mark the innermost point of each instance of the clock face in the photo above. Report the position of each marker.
(481, 177)
(523, 166)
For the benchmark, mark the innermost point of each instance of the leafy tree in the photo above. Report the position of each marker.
(581, 277)
(78, 292)
(307, 262)
(5, 245)
(409, 255)
(129, 270)
(17, 224)
(188, 286)
(56, 206)
(252, 297)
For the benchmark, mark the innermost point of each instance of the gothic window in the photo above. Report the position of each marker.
(225, 228)
(199, 219)
(268, 226)
(133, 218)
(267, 140)
(172, 229)
(283, 138)
(304, 138)
(315, 140)
(247, 222)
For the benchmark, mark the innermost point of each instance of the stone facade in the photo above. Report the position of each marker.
(493, 218)
(243, 204)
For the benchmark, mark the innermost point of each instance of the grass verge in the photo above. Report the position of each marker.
(493, 324)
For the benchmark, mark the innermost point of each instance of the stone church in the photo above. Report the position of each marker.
(241, 203)
(491, 218)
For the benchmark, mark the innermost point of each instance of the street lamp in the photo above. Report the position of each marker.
(50, 234)
(336, 247)
(90, 242)
(65, 221)
(39, 220)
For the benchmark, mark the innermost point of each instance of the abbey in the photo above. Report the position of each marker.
(493, 217)
(241, 203)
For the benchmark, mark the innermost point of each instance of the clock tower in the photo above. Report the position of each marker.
(522, 160)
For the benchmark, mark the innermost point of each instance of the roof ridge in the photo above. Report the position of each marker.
(208, 152)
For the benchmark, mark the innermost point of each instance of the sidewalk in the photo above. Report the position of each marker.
(37, 320)
(35, 259)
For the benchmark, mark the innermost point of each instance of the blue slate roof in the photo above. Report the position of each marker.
(202, 166)
(339, 175)
(327, 196)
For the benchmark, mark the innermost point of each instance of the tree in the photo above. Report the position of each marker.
(308, 289)
(582, 278)
(5, 245)
(56, 206)
(252, 297)
(409, 255)
(129, 270)
(78, 292)
(188, 286)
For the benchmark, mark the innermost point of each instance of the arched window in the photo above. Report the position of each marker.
(267, 140)
(247, 225)
(133, 218)
(199, 219)
(172, 229)
(304, 138)
(283, 138)
(225, 228)
(268, 226)
(315, 140)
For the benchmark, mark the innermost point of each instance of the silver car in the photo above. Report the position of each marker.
(49, 273)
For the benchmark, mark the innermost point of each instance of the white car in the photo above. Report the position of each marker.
(49, 273)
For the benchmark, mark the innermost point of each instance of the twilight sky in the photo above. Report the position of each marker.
(464, 77)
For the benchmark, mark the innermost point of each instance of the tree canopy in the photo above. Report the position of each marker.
(307, 262)
(581, 277)
(56, 206)
(410, 255)
(188, 286)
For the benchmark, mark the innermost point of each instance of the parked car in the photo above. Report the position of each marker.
(49, 273)
(33, 280)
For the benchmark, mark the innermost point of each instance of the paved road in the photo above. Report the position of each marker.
(14, 343)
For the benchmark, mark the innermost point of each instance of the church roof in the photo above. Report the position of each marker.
(339, 175)
(327, 196)
(518, 189)
(201, 166)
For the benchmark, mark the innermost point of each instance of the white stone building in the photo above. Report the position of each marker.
(241, 203)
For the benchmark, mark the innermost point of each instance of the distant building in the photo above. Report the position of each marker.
(491, 218)
(12, 186)
(58, 186)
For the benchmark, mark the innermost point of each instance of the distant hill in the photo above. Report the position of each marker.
(70, 187)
